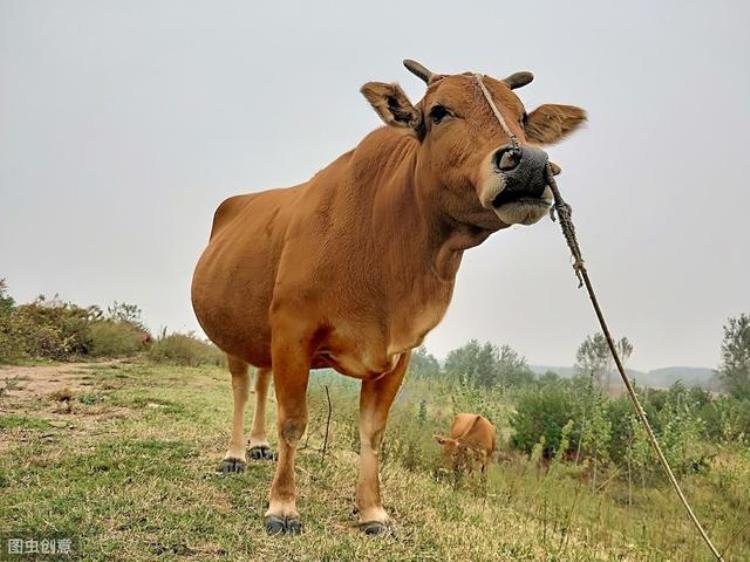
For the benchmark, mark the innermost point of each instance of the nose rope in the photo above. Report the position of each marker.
(564, 212)
(496, 112)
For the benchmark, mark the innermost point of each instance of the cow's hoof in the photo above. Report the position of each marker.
(276, 525)
(232, 466)
(261, 453)
(373, 528)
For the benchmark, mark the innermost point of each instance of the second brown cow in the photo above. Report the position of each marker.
(473, 440)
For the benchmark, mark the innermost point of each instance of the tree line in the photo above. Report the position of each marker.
(486, 365)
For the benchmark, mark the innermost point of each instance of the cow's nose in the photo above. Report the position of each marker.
(524, 170)
(506, 158)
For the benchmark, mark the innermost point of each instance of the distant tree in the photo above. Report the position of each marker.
(595, 359)
(592, 358)
(549, 377)
(486, 371)
(462, 361)
(486, 365)
(624, 348)
(423, 363)
(512, 368)
(734, 371)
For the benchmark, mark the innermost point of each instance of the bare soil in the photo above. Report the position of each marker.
(48, 393)
(40, 381)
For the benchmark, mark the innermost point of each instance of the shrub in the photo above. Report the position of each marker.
(114, 339)
(682, 429)
(9, 350)
(412, 444)
(596, 432)
(620, 414)
(727, 419)
(681, 443)
(542, 412)
(57, 330)
(465, 397)
(185, 349)
(46, 330)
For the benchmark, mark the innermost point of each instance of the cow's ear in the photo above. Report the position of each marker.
(551, 123)
(390, 102)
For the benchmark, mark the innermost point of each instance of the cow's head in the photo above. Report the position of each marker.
(458, 454)
(448, 444)
(464, 163)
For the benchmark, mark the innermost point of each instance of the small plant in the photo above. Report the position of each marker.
(596, 437)
(537, 451)
(422, 412)
(88, 399)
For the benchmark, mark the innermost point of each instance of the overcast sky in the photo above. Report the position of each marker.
(124, 124)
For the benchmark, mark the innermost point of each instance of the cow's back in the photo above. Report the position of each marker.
(474, 431)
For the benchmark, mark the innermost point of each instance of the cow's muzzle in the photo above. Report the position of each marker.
(513, 184)
(524, 171)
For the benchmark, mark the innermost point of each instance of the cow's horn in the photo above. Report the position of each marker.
(418, 70)
(518, 79)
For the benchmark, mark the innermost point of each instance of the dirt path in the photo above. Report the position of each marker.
(42, 380)
(45, 396)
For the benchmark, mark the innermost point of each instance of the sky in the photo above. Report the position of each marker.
(124, 124)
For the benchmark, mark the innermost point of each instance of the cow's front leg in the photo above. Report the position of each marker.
(374, 404)
(291, 364)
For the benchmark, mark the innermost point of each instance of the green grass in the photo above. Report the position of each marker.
(142, 485)
(25, 422)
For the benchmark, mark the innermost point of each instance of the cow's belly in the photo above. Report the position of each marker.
(361, 351)
(356, 365)
(356, 349)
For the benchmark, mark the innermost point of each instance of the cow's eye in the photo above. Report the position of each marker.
(438, 113)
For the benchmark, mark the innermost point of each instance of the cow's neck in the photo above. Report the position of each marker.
(407, 216)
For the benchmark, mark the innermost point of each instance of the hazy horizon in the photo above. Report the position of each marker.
(124, 125)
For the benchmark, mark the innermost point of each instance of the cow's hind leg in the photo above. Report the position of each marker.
(234, 459)
(259, 448)
(374, 404)
(291, 364)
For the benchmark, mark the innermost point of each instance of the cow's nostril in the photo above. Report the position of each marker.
(507, 159)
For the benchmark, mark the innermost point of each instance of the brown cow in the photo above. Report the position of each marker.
(352, 268)
(473, 440)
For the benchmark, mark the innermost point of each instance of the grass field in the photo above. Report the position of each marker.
(121, 458)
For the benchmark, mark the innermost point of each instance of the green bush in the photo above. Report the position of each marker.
(727, 419)
(626, 426)
(45, 330)
(9, 351)
(543, 412)
(115, 339)
(60, 331)
(185, 349)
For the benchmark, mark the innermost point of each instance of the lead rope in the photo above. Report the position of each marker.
(568, 229)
